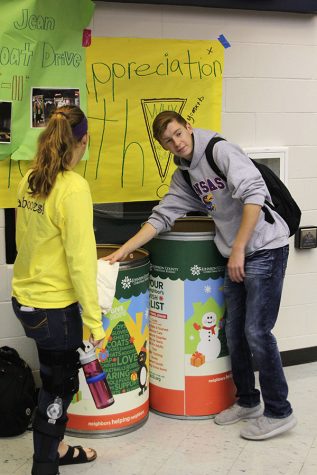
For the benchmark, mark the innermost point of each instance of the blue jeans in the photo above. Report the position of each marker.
(58, 329)
(252, 310)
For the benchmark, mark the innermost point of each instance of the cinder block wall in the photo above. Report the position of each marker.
(269, 99)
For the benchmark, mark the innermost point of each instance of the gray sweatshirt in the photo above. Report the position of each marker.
(223, 201)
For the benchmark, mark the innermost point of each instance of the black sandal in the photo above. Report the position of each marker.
(69, 459)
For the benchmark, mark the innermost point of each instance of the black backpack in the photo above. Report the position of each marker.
(17, 393)
(283, 202)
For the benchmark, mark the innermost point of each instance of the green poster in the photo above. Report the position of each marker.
(42, 66)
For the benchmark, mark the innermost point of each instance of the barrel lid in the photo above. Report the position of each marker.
(191, 228)
(134, 259)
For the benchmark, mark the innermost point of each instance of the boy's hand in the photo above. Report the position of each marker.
(119, 255)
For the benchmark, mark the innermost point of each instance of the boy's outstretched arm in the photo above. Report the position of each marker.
(146, 233)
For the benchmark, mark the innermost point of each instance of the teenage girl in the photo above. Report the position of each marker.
(55, 271)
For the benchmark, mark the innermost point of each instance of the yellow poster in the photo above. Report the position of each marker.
(129, 81)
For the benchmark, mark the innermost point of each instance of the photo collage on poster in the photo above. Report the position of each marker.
(46, 100)
(5, 121)
(43, 102)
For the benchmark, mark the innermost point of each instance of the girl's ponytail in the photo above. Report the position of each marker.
(56, 143)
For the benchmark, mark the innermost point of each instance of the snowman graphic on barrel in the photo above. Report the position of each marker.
(209, 344)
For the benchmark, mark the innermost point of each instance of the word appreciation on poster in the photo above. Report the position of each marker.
(131, 80)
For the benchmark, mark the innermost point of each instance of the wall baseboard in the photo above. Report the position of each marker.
(295, 357)
(300, 356)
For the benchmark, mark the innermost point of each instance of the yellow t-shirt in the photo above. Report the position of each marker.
(56, 263)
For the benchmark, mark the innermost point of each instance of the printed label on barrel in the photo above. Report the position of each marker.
(190, 371)
(124, 358)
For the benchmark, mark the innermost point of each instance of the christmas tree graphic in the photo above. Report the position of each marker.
(121, 364)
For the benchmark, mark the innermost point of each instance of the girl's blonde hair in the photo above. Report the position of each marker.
(55, 148)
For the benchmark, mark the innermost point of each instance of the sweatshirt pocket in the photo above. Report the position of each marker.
(257, 240)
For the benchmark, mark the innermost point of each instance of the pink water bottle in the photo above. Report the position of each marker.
(95, 376)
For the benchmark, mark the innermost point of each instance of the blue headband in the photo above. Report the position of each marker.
(80, 129)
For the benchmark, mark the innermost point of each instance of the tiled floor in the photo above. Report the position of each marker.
(166, 446)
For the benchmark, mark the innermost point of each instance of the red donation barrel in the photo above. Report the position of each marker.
(190, 371)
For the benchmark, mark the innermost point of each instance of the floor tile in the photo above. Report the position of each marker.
(169, 446)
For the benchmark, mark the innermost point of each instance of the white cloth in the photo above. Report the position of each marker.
(106, 283)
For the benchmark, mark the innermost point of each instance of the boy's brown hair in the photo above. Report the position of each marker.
(162, 120)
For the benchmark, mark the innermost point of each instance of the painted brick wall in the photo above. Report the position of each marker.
(269, 99)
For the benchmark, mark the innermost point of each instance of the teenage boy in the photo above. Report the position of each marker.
(257, 253)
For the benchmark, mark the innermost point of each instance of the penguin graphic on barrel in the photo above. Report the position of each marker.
(143, 371)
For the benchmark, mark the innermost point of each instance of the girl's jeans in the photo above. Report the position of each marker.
(252, 309)
(59, 329)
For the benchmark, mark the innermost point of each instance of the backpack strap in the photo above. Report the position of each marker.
(210, 157)
(210, 160)
(186, 177)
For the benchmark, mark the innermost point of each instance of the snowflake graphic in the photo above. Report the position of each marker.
(207, 289)
(126, 283)
(195, 270)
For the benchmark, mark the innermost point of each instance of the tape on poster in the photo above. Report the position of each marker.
(223, 40)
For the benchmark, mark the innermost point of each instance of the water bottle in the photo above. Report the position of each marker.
(95, 376)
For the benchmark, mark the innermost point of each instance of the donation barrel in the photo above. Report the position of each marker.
(124, 357)
(190, 371)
